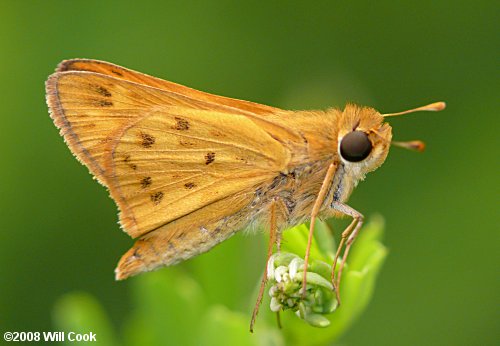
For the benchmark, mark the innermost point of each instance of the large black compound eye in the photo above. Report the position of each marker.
(355, 146)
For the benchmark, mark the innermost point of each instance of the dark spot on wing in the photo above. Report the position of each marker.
(209, 158)
(189, 185)
(156, 197)
(102, 91)
(118, 73)
(146, 181)
(181, 124)
(103, 103)
(147, 140)
(126, 159)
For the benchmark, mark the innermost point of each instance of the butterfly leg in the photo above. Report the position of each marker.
(278, 250)
(315, 211)
(274, 237)
(347, 238)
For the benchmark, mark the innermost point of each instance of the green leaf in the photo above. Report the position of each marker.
(295, 241)
(168, 304)
(220, 326)
(82, 313)
(323, 236)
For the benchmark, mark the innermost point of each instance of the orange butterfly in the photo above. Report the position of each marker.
(188, 169)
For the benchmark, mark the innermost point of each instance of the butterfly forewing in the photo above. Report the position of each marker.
(171, 163)
(162, 154)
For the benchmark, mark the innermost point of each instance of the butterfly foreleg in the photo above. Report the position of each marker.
(347, 238)
(314, 213)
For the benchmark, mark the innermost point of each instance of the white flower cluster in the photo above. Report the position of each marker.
(285, 272)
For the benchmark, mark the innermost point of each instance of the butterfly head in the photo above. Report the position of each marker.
(364, 138)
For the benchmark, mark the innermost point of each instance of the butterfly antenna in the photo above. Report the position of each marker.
(410, 145)
(416, 145)
(433, 107)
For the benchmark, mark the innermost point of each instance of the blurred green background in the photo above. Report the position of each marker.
(439, 286)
